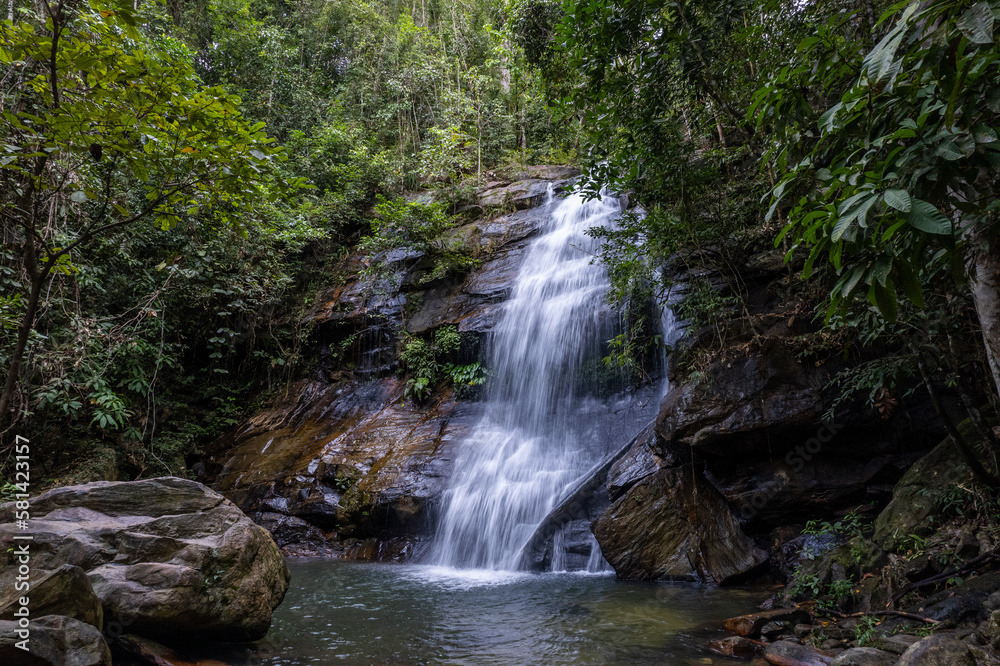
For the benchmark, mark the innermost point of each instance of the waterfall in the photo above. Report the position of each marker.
(534, 439)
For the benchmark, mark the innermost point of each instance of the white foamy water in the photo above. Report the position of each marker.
(533, 441)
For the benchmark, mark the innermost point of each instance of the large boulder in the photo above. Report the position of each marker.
(674, 525)
(917, 494)
(937, 650)
(167, 556)
(747, 400)
(65, 590)
(54, 640)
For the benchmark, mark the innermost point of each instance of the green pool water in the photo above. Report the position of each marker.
(358, 613)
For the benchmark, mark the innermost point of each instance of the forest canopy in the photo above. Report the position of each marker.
(178, 178)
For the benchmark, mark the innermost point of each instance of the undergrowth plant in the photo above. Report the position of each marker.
(426, 362)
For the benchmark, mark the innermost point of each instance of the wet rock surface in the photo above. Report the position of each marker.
(529, 192)
(673, 525)
(339, 463)
(168, 555)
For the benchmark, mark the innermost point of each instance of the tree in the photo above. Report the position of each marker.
(894, 180)
(105, 129)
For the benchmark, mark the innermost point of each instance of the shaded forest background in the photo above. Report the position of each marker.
(179, 178)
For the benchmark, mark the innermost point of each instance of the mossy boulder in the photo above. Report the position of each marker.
(916, 497)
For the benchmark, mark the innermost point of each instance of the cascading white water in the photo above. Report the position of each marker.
(532, 441)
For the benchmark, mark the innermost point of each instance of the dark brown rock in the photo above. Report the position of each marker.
(673, 525)
(937, 650)
(168, 555)
(752, 624)
(54, 640)
(786, 653)
(151, 652)
(63, 591)
(736, 646)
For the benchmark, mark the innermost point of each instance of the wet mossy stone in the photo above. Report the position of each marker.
(916, 497)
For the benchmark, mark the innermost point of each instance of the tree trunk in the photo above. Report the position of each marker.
(984, 278)
(23, 333)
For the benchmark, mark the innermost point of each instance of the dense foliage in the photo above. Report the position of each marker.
(858, 137)
(177, 178)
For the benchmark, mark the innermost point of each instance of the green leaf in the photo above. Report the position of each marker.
(984, 134)
(851, 280)
(885, 300)
(926, 217)
(910, 283)
(977, 23)
(898, 199)
(79, 196)
(881, 268)
(825, 121)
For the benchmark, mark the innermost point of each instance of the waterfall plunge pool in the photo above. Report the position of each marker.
(342, 612)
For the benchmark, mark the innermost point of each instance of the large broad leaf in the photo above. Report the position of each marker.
(926, 217)
(854, 208)
(898, 199)
(850, 281)
(880, 63)
(977, 23)
(825, 121)
(911, 284)
(884, 298)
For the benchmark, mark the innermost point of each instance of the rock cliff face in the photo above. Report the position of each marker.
(751, 431)
(345, 464)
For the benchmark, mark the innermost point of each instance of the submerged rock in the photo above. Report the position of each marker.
(736, 646)
(673, 525)
(167, 556)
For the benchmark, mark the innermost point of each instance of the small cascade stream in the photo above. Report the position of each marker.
(537, 435)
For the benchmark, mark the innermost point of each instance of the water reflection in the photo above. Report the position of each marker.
(359, 613)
